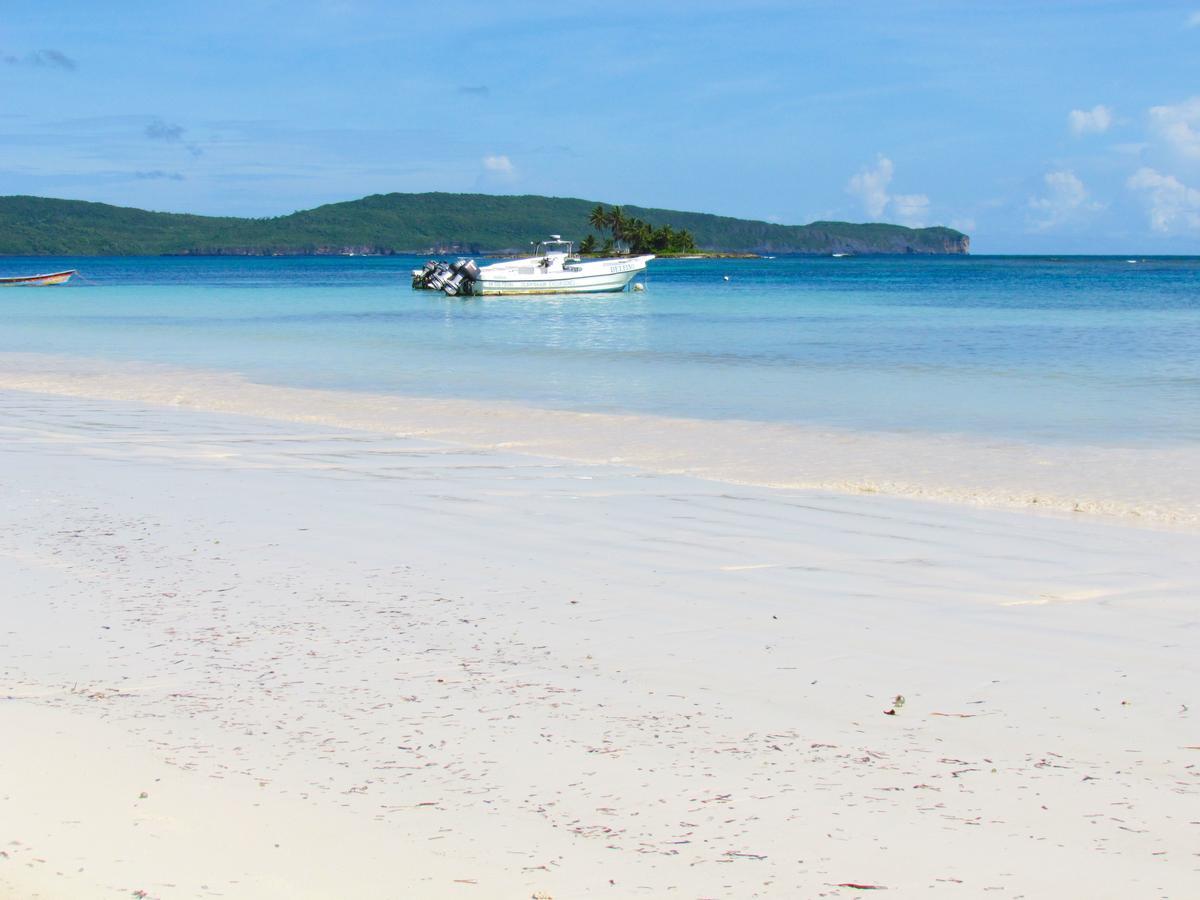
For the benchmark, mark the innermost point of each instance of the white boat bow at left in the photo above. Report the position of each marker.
(554, 268)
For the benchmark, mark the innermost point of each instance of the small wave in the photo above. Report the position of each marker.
(1146, 485)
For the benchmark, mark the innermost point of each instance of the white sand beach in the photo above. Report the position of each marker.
(259, 658)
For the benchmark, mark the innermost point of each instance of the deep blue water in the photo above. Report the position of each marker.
(1066, 349)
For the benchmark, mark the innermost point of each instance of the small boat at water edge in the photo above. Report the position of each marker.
(38, 280)
(553, 269)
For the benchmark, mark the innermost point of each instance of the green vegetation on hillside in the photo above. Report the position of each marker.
(420, 223)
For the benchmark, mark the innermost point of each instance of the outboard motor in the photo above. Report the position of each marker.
(464, 274)
(421, 276)
(453, 284)
(439, 276)
(453, 279)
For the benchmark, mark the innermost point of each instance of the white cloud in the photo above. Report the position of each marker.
(870, 186)
(1178, 126)
(1170, 203)
(1096, 120)
(1194, 20)
(499, 165)
(1066, 199)
(498, 173)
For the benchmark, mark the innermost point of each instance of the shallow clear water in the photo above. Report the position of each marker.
(1062, 350)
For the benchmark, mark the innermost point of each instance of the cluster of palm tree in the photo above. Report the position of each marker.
(631, 233)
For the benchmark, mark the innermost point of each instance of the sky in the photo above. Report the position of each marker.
(1048, 127)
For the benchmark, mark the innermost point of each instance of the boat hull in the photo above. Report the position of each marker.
(38, 280)
(586, 278)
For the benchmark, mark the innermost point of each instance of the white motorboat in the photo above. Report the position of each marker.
(553, 269)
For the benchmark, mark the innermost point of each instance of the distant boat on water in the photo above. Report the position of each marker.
(38, 280)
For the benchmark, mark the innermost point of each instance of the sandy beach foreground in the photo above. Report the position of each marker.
(244, 657)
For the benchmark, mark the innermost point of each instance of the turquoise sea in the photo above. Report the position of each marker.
(1094, 350)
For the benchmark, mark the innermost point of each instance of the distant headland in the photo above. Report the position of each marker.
(390, 224)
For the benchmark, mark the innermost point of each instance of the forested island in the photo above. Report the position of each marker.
(386, 224)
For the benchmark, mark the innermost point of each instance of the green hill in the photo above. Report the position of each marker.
(420, 223)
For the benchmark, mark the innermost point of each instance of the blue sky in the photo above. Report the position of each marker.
(1035, 127)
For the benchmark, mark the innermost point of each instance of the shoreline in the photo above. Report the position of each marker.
(251, 657)
(1146, 486)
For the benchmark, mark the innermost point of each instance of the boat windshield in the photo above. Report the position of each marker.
(545, 248)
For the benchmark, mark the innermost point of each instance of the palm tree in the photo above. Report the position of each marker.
(599, 218)
(638, 234)
(588, 244)
(683, 242)
(617, 222)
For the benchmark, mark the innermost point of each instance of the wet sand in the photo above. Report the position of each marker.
(247, 657)
(1154, 484)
